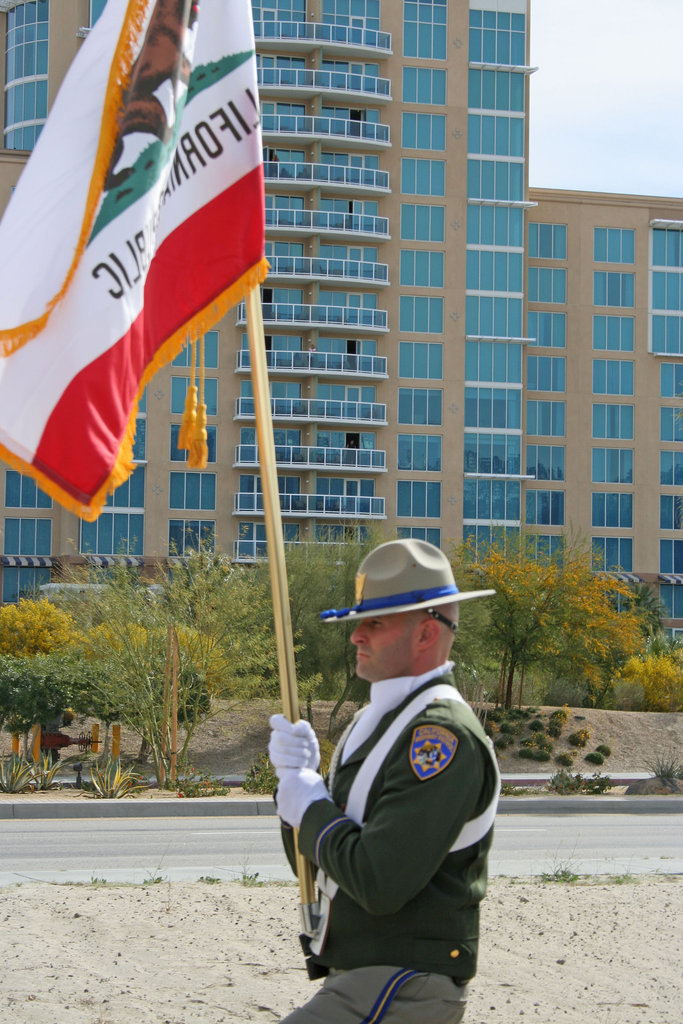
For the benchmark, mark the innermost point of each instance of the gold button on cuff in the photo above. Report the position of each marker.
(455, 953)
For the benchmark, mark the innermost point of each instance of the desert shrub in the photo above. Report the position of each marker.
(560, 715)
(537, 725)
(501, 742)
(666, 765)
(554, 728)
(594, 757)
(539, 754)
(565, 783)
(526, 752)
(566, 691)
(261, 777)
(15, 774)
(490, 727)
(661, 678)
(198, 783)
(566, 759)
(45, 773)
(604, 750)
(496, 714)
(110, 781)
(510, 728)
(579, 738)
(597, 784)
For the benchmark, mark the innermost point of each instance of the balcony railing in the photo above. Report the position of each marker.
(339, 506)
(318, 457)
(306, 126)
(312, 268)
(309, 81)
(311, 410)
(331, 317)
(359, 179)
(334, 363)
(329, 222)
(317, 33)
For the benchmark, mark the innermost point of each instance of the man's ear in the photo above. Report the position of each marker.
(428, 633)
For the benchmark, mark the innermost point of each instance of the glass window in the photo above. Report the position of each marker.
(420, 406)
(418, 499)
(671, 424)
(420, 359)
(500, 180)
(431, 534)
(22, 492)
(671, 597)
(424, 85)
(424, 29)
(423, 177)
(420, 314)
(487, 500)
(613, 377)
(548, 241)
(612, 466)
(614, 245)
(495, 135)
(670, 512)
(545, 419)
(179, 386)
(423, 131)
(422, 223)
(499, 362)
(185, 356)
(96, 8)
(547, 285)
(493, 316)
(613, 421)
(193, 490)
(613, 333)
(185, 535)
(671, 469)
(421, 268)
(488, 270)
(612, 509)
(419, 452)
(613, 289)
(545, 508)
(114, 533)
(28, 537)
(671, 380)
(497, 37)
(180, 454)
(547, 329)
(546, 373)
(492, 453)
(545, 461)
(612, 554)
(495, 225)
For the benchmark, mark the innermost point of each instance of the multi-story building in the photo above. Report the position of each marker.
(449, 350)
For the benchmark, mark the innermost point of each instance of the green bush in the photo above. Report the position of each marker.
(537, 725)
(261, 777)
(604, 750)
(595, 757)
(564, 783)
(579, 738)
(667, 765)
(16, 774)
(509, 727)
(193, 784)
(540, 755)
(44, 773)
(110, 781)
(597, 784)
(525, 752)
(567, 760)
(501, 742)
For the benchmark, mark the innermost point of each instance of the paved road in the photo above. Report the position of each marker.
(142, 849)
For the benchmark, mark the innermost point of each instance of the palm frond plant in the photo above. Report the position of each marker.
(111, 781)
(44, 773)
(16, 774)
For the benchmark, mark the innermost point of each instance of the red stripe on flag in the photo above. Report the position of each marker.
(196, 264)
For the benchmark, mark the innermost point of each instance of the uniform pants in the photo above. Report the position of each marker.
(394, 995)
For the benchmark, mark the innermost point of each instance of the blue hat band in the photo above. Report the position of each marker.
(391, 601)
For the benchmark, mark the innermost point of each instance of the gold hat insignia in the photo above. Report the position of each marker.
(360, 586)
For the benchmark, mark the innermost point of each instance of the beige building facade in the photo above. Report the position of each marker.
(450, 352)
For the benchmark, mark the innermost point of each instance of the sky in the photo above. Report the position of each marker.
(606, 109)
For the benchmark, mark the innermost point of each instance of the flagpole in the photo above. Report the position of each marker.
(276, 556)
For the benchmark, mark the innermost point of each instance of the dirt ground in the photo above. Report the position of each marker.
(227, 745)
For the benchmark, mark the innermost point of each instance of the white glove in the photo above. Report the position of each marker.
(292, 745)
(298, 789)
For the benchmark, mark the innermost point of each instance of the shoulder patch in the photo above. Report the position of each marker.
(432, 748)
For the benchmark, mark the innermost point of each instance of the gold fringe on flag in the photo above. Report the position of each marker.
(186, 432)
(199, 450)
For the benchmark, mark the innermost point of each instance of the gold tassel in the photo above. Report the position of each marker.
(187, 427)
(199, 449)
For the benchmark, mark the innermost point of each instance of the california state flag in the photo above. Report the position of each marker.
(137, 222)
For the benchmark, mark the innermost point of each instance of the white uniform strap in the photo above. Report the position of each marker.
(469, 834)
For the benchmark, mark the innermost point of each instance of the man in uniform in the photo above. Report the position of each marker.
(401, 829)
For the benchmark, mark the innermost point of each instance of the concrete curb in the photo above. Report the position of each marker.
(224, 806)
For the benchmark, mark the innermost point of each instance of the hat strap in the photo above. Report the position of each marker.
(392, 600)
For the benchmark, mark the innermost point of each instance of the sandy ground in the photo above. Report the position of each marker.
(202, 953)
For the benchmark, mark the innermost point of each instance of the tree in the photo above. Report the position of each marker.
(649, 608)
(661, 677)
(35, 627)
(553, 613)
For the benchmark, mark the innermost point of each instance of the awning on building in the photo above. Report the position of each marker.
(104, 561)
(671, 577)
(26, 561)
(627, 577)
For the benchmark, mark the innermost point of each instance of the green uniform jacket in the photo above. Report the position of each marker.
(403, 898)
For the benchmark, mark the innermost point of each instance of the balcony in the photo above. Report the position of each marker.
(335, 506)
(333, 318)
(312, 363)
(308, 82)
(316, 410)
(309, 128)
(304, 177)
(306, 36)
(318, 268)
(350, 227)
(320, 458)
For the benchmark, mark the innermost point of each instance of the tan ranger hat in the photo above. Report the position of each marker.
(401, 576)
